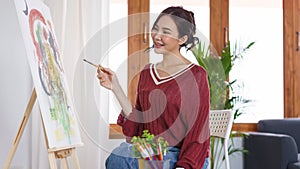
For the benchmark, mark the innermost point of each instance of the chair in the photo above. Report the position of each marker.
(275, 145)
(220, 124)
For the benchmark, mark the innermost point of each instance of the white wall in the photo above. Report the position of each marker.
(15, 87)
(236, 159)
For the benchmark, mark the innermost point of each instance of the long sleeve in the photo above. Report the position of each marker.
(195, 146)
(132, 125)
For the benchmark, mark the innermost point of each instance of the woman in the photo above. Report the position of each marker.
(172, 97)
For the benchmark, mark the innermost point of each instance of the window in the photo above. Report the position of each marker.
(261, 70)
(260, 73)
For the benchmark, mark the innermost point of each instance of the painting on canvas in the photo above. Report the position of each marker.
(50, 83)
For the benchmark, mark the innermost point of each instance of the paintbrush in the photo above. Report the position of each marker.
(93, 64)
(148, 49)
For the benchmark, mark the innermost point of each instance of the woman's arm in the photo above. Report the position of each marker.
(129, 118)
(195, 146)
(109, 80)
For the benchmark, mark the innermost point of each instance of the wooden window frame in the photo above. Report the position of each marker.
(219, 34)
(291, 29)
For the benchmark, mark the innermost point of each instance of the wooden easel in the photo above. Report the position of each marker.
(53, 154)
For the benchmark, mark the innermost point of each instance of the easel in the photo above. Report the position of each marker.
(53, 154)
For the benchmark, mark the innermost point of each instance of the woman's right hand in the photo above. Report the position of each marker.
(107, 78)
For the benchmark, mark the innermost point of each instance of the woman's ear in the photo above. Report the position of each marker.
(183, 39)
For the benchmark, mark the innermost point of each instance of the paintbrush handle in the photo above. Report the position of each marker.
(93, 64)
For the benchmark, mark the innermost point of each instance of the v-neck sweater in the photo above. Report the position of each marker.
(175, 107)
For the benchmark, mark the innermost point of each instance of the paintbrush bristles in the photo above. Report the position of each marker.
(95, 65)
(91, 63)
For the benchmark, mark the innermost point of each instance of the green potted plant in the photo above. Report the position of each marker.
(218, 69)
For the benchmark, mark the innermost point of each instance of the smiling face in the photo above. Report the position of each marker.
(165, 36)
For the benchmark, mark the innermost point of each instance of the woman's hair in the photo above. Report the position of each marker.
(185, 23)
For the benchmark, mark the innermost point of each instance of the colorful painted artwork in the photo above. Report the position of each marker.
(50, 83)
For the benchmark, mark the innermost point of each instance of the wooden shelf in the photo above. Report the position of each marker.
(115, 131)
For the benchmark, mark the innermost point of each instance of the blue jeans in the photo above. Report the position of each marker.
(121, 158)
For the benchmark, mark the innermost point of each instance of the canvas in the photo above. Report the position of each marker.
(47, 71)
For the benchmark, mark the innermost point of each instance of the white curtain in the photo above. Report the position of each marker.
(80, 28)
